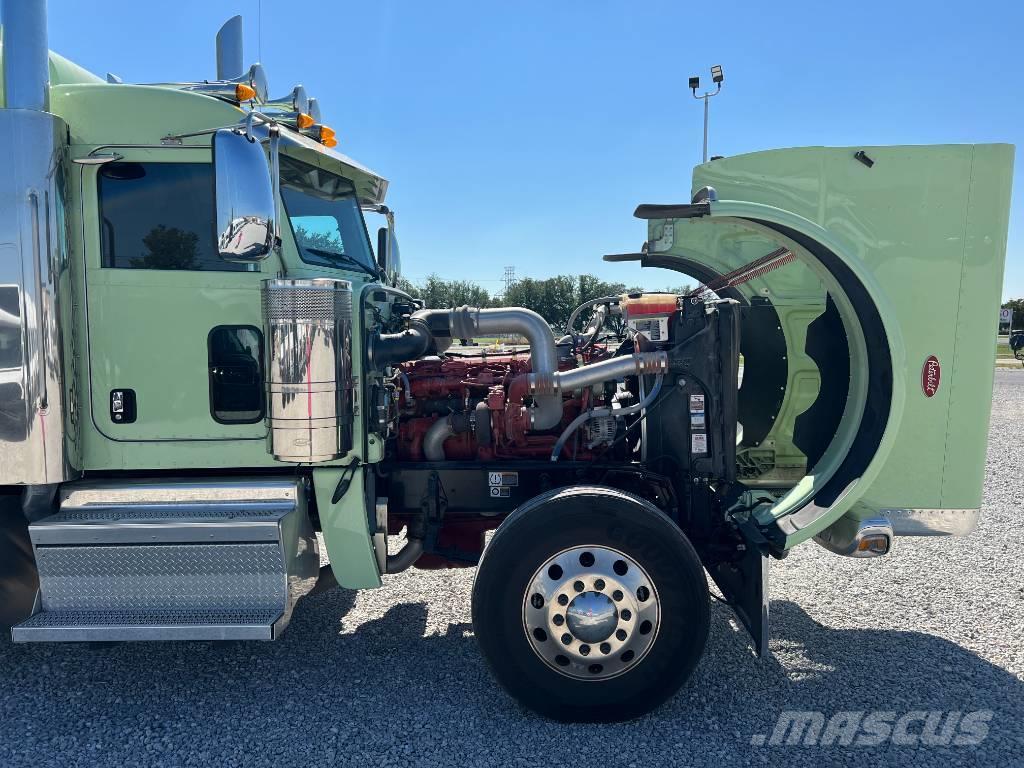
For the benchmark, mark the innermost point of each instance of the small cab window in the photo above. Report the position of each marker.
(159, 216)
(236, 374)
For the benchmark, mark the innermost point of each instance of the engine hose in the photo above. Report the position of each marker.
(618, 413)
(576, 312)
(406, 385)
(411, 344)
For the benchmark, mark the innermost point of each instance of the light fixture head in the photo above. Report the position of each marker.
(716, 74)
(296, 101)
(314, 109)
(694, 83)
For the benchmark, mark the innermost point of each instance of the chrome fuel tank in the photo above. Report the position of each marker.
(309, 371)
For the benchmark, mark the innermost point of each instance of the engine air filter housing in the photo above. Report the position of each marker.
(309, 371)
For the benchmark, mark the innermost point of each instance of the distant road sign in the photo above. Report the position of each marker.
(1005, 316)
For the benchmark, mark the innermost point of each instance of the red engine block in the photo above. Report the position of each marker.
(456, 385)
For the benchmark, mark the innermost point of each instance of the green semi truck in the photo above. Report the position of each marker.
(208, 376)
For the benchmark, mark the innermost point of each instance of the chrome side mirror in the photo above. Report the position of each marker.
(244, 197)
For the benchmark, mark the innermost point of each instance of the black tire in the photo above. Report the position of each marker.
(591, 516)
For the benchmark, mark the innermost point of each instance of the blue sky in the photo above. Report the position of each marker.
(525, 133)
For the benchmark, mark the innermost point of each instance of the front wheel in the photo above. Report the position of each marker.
(590, 605)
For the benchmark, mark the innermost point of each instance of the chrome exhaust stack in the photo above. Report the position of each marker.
(230, 61)
(26, 55)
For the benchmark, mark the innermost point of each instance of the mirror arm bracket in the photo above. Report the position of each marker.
(275, 179)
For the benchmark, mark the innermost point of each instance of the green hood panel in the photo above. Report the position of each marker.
(917, 237)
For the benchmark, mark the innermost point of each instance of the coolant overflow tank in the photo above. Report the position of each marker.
(309, 371)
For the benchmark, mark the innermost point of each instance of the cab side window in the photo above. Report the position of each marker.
(159, 216)
(236, 374)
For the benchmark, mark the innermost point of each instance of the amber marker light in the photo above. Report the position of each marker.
(303, 121)
(874, 544)
(244, 92)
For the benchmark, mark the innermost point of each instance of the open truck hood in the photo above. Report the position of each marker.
(872, 370)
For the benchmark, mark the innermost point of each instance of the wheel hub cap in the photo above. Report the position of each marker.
(592, 617)
(591, 612)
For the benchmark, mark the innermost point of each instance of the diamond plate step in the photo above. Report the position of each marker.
(171, 560)
(164, 523)
(77, 626)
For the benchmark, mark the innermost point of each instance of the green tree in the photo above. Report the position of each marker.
(438, 293)
(553, 298)
(404, 284)
(323, 241)
(169, 248)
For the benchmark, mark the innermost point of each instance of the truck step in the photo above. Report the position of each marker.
(224, 559)
(107, 625)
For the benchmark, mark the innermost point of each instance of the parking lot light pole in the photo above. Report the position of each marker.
(717, 78)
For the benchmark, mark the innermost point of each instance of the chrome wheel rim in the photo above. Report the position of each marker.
(591, 613)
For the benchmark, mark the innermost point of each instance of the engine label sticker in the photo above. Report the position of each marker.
(502, 479)
(696, 403)
(699, 442)
(697, 419)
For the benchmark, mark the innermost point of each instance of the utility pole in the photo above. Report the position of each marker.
(717, 78)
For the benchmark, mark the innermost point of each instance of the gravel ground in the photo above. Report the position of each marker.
(392, 676)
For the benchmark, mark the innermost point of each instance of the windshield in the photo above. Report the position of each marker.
(325, 217)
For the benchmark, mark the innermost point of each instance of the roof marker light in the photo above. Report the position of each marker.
(244, 92)
(302, 121)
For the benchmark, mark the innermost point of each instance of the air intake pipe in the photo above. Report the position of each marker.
(467, 322)
(541, 385)
(545, 381)
(428, 333)
(432, 330)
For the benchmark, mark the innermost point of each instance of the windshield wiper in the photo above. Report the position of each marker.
(344, 257)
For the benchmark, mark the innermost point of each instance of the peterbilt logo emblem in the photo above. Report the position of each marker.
(930, 376)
